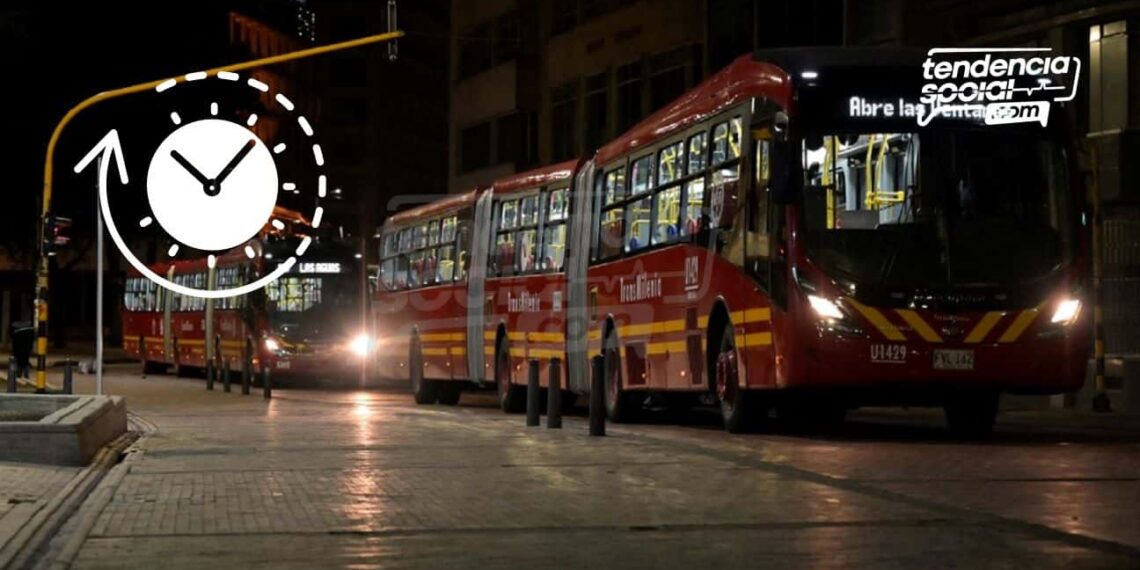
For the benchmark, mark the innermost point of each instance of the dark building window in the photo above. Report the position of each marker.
(597, 103)
(565, 16)
(630, 108)
(563, 120)
(667, 75)
(489, 44)
(475, 147)
(516, 141)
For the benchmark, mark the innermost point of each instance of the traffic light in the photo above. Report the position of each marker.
(57, 233)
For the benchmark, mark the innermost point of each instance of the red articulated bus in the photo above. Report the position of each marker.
(305, 325)
(758, 245)
(472, 286)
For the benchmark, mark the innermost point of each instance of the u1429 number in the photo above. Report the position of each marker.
(890, 353)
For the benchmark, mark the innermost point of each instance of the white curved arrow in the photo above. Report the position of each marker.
(107, 148)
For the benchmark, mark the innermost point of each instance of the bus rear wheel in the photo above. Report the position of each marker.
(972, 416)
(512, 399)
(621, 406)
(424, 391)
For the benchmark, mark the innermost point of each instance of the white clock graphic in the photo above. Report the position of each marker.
(213, 170)
(213, 185)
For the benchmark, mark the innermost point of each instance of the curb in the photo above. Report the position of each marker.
(40, 527)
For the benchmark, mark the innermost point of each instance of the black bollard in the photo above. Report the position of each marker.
(13, 372)
(266, 382)
(68, 386)
(210, 374)
(554, 395)
(533, 394)
(597, 397)
(226, 376)
(246, 375)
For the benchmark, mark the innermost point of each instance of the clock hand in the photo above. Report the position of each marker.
(234, 162)
(177, 156)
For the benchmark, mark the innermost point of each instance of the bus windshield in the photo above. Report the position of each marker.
(309, 307)
(937, 208)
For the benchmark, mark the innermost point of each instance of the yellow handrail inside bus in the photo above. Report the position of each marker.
(869, 200)
(827, 179)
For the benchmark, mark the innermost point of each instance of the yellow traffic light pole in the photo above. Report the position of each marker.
(42, 276)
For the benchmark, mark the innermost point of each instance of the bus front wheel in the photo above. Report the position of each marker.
(736, 405)
(621, 406)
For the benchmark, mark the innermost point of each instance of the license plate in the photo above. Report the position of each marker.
(948, 359)
(888, 353)
(283, 364)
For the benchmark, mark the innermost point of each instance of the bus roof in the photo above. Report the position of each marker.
(537, 177)
(743, 78)
(436, 207)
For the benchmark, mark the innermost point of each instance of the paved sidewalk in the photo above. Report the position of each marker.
(362, 480)
(25, 490)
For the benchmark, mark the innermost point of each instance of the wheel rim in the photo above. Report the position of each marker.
(726, 377)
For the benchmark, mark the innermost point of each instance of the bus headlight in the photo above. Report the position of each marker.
(1066, 312)
(361, 345)
(825, 308)
(271, 344)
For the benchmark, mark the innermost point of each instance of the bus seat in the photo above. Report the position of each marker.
(634, 243)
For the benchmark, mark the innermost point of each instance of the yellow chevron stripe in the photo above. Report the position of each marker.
(878, 320)
(915, 321)
(983, 327)
(1022, 322)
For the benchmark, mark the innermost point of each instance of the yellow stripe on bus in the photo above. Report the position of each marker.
(546, 337)
(760, 315)
(665, 347)
(915, 321)
(434, 351)
(488, 349)
(983, 327)
(443, 337)
(545, 353)
(878, 320)
(1022, 322)
(757, 339)
(457, 351)
(644, 329)
(489, 335)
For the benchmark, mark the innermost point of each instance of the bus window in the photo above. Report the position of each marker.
(445, 265)
(698, 145)
(528, 242)
(389, 245)
(553, 247)
(694, 205)
(726, 141)
(419, 239)
(402, 272)
(610, 236)
(639, 219)
(615, 185)
(415, 269)
(642, 175)
(504, 254)
(528, 211)
(405, 240)
(671, 163)
(463, 255)
(668, 211)
(508, 215)
(387, 276)
(433, 233)
(558, 205)
(448, 230)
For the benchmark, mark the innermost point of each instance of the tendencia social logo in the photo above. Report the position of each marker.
(996, 85)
